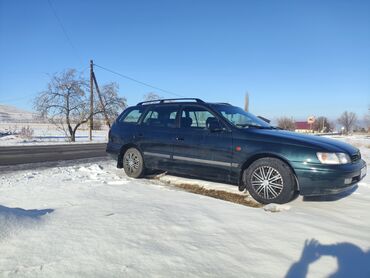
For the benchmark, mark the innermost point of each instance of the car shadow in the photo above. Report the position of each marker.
(352, 261)
(330, 198)
(21, 213)
(157, 173)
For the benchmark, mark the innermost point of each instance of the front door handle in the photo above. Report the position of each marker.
(179, 138)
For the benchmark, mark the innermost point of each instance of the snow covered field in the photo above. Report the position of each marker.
(12, 120)
(90, 220)
(47, 134)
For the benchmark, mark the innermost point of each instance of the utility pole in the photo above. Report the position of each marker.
(91, 99)
(101, 102)
(246, 102)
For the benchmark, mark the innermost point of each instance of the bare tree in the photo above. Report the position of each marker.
(65, 102)
(322, 124)
(347, 120)
(151, 96)
(286, 123)
(113, 104)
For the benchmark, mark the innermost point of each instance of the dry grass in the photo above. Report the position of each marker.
(213, 193)
(26, 133)
(219, 194)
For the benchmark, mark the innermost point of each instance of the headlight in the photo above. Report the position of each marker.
(333, 158)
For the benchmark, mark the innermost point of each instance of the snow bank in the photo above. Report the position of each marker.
(276, 207)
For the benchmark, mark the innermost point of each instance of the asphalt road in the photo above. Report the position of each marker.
(42, 153)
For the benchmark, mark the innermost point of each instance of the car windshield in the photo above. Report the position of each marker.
(239, 118)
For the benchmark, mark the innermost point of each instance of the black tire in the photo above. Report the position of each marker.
(270, 180)
(133, 163)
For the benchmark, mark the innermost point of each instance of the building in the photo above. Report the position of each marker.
(303, 127)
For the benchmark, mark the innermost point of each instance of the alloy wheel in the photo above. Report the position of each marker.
(267, 182)
(132, 162)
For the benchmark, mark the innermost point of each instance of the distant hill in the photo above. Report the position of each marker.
(11, 114)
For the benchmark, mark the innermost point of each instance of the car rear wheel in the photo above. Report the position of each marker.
(270, 180)
(133, 163)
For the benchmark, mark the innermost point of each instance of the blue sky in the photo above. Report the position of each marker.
(295, 58)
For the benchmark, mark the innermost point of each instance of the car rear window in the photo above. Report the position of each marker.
(132, 116)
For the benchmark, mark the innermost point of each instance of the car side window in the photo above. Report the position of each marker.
(161, 116)
(151, 115)
(132, 116)
(195, 117)
(173, 115)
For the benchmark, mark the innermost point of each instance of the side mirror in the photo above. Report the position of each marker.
(214, 125)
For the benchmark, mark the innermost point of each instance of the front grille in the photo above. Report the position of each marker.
(356, 157)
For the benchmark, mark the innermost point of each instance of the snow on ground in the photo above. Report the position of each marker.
(90, 220)
(358, 140)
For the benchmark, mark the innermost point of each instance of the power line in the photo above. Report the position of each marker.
(61, 25)
(138, 81)
(63, 29)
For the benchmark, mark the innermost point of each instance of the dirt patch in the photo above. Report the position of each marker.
(219, 194)
(213, 193)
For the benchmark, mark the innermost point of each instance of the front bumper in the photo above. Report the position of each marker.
(320, 179)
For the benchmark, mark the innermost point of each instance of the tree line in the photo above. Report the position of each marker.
(348, 120)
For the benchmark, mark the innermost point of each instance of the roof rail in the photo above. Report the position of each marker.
(169, 100)
(223, 103)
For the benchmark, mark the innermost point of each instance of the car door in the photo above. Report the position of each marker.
(156, 135)
(198, 151)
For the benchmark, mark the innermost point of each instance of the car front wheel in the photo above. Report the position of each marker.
(270, 180)
(133, 163)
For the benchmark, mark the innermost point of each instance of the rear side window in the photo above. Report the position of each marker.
(161, 116)
(195, 117)
(132, 116)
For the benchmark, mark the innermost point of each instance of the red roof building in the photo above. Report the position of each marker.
(302, 127)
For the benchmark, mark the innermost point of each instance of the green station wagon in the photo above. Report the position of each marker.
(222, 142)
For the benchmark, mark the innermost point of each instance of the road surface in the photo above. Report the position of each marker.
(42, 153)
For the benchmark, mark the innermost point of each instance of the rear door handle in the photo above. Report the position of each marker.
(179, 138)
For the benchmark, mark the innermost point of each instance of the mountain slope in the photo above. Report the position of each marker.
(12, 114)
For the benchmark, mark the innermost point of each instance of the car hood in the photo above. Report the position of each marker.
(317, 142)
